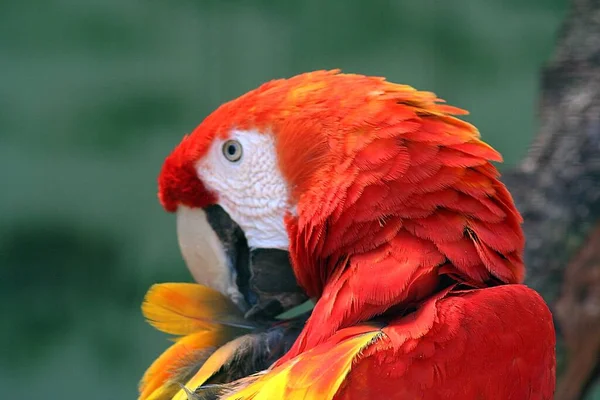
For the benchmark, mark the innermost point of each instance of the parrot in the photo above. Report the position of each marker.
(396, 225)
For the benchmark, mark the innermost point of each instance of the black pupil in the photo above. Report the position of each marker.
(231, 149)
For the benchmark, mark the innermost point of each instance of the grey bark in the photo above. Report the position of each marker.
(557, 189)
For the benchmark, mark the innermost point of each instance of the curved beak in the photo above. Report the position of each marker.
(260, 282)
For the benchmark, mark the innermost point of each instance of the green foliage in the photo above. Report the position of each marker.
(95, 93)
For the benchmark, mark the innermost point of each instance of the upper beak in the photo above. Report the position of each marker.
(260, 281)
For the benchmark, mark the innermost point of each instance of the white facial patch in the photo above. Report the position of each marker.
(204, 254)
(252, 189)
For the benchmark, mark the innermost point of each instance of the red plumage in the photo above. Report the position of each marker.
(397, 199)
(460, 347)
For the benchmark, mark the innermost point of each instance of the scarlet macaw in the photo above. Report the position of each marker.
(397, 226)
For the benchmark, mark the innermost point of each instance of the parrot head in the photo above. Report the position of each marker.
(224, 184)
(323, 167)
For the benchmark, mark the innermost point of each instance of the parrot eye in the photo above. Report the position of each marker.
(232, 150)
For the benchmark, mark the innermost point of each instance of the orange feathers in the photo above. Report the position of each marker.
(185, 308)
(177, 364)
(210, 367)
(205, 318)
(314, 375)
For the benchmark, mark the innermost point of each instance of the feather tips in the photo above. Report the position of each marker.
(177, 363)
(210, 367)
(184, 308)
(316, 374)
(203, 317)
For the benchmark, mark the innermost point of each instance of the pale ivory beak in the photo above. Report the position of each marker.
(205, 255)
(260, 281)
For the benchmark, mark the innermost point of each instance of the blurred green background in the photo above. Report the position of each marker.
(95, 93)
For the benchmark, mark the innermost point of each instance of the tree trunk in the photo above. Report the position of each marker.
(557, 189)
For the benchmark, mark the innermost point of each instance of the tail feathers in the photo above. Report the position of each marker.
(185, 308)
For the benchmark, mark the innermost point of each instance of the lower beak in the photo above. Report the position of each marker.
(260, 281)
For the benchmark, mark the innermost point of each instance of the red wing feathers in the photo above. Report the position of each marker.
(493, 343)
(455, 346)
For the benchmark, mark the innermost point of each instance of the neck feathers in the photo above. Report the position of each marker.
(382, 230)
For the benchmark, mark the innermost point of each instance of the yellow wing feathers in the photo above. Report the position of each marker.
(314, 375)
(184, 308)
(204, 320)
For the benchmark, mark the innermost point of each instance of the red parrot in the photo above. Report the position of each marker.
(397, 227)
